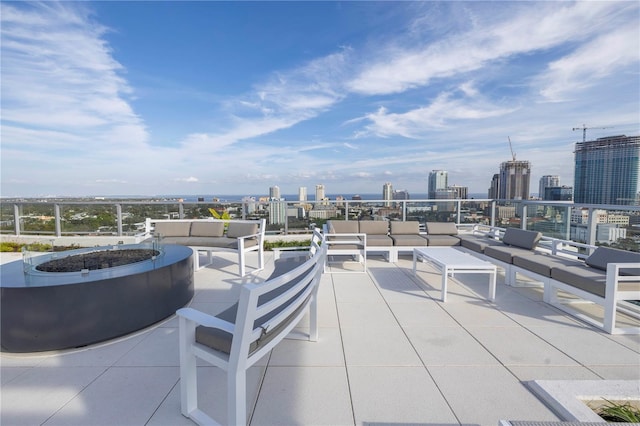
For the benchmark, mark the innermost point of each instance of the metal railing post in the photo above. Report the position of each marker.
(119, 218)
(493, 213)
(458, 215)
(181, 210)
(592, 226)
(56, 209)
(16, 219)
(523, 222)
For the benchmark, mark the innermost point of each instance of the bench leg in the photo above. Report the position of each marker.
(188, 376)
(241, 265)
(237, 397)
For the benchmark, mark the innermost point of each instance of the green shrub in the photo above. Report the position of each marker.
(619, 412)
(270, 245)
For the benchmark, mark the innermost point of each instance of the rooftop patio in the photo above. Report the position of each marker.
(389, 352)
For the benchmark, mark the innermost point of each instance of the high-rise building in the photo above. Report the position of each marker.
(401, 194)
(558, 193)
(320, 192)
(387, 193)
(461, 192)
(302, 193)
(547, 181)
(438, 180)
(274, 192)
(514, 179)
(495, 184)
(607, 170)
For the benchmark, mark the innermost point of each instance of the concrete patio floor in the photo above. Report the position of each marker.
(389, 352)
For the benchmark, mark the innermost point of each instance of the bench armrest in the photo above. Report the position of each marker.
(206, 320)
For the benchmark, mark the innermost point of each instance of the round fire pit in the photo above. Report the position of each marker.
(96, 296)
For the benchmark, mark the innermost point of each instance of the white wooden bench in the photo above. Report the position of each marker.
(209, 235)
(237, 338)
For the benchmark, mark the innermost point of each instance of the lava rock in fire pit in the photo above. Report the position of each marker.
(97, 260)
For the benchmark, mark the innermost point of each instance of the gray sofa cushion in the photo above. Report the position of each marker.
(542, 264)
(442, 240)
(588, 279)
(207, 229)
(504, 253)
(477, 243)
(405, 228)
(604, 255)
(343, 227)
(237, 229)
(404, 240)
(521, 238)
(173, 229)
(374, 227)
(441, 228)
(379, 240)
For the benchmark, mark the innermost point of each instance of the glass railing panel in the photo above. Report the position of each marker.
(614, 226)
(552, 220)
(36, 218)
(508, 214)
(88, 219)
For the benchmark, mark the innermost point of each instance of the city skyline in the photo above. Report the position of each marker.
(151, 98)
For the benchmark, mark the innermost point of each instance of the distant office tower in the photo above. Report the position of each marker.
(438, 180)
(514, 179)
(277, 211)
(606, 171)
(401, 194)
(547, 181)
(387, 193)
(320, 192)
(274, 192)
(249, 204)
(461, 192)
(302, 193)
(495, 184)
(558, 193)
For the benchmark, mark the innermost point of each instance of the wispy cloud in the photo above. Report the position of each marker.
(59, 73)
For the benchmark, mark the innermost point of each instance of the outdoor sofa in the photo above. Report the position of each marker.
(209, 235)
(608, 277)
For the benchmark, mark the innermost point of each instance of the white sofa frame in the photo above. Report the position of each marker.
(246, 331)
(242, 249)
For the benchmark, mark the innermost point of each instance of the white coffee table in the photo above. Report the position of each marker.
(449, 260)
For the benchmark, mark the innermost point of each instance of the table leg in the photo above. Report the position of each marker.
(415, 259)
(492, 285)
(445, 275)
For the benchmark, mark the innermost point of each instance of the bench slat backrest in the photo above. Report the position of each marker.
(265, 310)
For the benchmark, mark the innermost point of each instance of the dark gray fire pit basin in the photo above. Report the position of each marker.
(41, 311)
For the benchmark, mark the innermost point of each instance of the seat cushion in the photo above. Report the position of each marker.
(409, 240)
(441, 228)
(504, 253)
(379, 240)
(477, 243)
(374, 227)
(442, 240)
(240, 229)
(521, 238)
(343, 227)
(207, 229)
(591, 280)
(604, 255)
(172, 229)
(542, 264)
(405, 228)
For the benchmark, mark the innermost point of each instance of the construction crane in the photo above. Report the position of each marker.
(513, 154)
(584, 130)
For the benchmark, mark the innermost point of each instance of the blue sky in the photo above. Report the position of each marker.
(148, 98)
